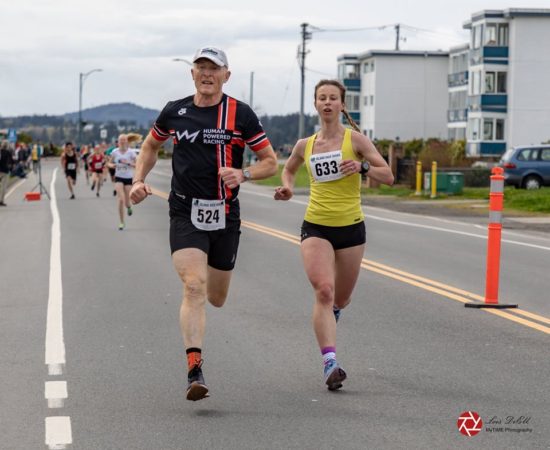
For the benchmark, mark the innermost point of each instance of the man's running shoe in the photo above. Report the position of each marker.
(93, 186)
(334, 375)
(114, 193)
(97, 194)
(196, 387)
(72, 196)
(121, 226)
(130, 212)
(337, 313)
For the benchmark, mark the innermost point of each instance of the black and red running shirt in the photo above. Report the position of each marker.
(205, 139)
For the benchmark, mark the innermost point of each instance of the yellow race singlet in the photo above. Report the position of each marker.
(335, 200)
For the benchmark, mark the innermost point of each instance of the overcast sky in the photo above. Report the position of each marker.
(44, 45)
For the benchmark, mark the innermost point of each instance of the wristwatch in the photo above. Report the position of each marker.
(365, 166)
(247, 175)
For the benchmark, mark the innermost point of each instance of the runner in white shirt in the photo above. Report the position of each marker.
(123, 159)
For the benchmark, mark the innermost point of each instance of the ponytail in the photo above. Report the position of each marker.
(351, 121)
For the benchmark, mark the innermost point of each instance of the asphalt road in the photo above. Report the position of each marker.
(416, 358)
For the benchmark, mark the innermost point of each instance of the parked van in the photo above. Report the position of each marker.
(527, 167)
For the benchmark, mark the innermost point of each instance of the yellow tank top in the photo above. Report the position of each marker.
(334, 203)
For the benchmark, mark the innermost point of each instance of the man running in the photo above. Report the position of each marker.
(69, 162)
(210, 130)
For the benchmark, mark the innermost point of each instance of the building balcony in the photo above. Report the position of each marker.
(488, 102)
(458, 79)
(493, 149)
(489, 55)
(352, 84)
(356, 116)
(457, 115)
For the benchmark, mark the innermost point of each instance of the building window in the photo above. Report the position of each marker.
(476, 83)
(501, 82)
(348, 71)
(476, 36)
(352, 102)
(473, 126)
(372, 100)
(488, 130)
(490, 35)
(503, 35)
(490, 82)
(499, 131)
(366, 100)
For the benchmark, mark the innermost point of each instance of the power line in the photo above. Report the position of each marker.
(320, 73)
(424, 30)
(315, 29)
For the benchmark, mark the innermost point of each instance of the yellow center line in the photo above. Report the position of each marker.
(427, 284)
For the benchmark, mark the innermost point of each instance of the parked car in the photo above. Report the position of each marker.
(527, 167)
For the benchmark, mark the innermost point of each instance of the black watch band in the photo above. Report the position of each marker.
(365, 166)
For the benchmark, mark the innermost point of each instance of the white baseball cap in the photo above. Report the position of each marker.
(215, 55)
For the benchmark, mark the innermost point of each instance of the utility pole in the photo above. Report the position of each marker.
(397, 29)
(306, 35)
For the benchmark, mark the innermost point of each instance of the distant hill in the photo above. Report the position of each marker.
(115, 118)
(116, 112)
(113, 112)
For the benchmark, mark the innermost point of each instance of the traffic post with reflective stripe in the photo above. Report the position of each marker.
(496, 203)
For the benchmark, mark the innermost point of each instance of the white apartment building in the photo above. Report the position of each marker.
(457, 114)
(397, 94)
(509, 82)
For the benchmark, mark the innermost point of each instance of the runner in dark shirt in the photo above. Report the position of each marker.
(69, 162)
(210, 131)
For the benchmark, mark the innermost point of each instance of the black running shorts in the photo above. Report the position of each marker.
(220, 245)
(339, 237)
(124, 181)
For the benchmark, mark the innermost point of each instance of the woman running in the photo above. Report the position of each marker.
(333, 232)
(97, 163)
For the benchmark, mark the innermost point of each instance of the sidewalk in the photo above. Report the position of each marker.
(467, 210)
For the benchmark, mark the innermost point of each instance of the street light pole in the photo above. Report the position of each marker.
(81, 79)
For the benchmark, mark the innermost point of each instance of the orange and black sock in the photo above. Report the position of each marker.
(193, 357)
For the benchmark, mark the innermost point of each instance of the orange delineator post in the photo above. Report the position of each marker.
(496, 203)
